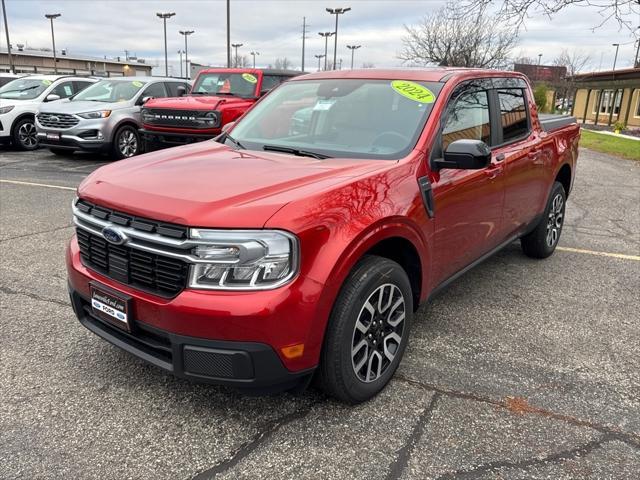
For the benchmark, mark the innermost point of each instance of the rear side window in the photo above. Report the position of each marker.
(513, 114)
(467, 118)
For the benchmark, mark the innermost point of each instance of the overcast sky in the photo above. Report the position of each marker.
(274, 28)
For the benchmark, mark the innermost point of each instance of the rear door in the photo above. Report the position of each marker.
(520, 147)
(468, 203)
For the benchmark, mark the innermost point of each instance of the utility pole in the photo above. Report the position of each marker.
(228, 34)
(304, 37)
(236, 45)
(186, 33)
(319, 57)
(52, 16)
(353, 48)
(615, 59)
(326, 36)
(337, 12)
(253, 54)
(164, 17)
(6, 31)
(180, 52)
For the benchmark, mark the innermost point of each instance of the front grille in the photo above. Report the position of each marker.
(164, 117)
(151, 272)
(57, 120)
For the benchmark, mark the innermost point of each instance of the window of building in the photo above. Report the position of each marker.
(611, 100)
(513, 114)
(467, 118)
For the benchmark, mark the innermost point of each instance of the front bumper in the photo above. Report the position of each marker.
(160, 139)
(82, 136)
(242, 364)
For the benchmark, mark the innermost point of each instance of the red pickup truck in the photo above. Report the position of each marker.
(302, 242)
(218, 96)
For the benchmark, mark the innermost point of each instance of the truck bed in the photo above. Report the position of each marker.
(551, 122)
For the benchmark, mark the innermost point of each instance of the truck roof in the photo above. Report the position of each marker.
(435, 74)
(265, 71)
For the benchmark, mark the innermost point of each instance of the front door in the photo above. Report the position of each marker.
(468, 203)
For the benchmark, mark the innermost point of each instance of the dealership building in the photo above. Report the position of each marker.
(42, 61)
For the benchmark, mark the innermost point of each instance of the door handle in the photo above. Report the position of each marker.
(536, 155)
(493, 170)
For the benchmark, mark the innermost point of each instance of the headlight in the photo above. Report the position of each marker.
(146, 115)
(244, 260)
(98, 114)
(6, 109)
(209, 119)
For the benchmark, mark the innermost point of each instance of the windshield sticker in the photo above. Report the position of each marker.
(413, 91)
(249, 78)
(323, 105)
(46, 82)
(137, 84)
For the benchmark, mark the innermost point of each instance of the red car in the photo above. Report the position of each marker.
(302, 243)
(218, 96)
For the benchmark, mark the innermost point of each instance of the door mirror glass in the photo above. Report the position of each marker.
(465, 155)
(143, 100)
(181, 91)
(52, 97)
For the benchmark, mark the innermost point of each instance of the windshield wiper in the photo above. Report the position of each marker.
(295, 151)
(222, 138)
(21, 89)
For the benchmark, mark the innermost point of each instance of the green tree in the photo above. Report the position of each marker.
(540, 96)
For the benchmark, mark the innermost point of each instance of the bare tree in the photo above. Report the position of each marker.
(241, 61)
(574, 60)
(368, 65)
(523, 59)
(621, 11)
(283, 64)
(448, 37)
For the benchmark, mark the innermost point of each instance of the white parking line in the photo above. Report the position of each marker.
(31, 184)
(601, 254)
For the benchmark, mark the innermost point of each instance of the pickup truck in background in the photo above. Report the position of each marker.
(219, 96)
(301, 243)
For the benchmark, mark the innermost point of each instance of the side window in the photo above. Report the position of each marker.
(172, 88)
(513, 114)
(63, 90)
(467, 118)
(269, 82)
(78, 86)
(155, 90)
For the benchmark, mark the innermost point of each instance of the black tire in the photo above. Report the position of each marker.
(62, 152)
(24, 134)
(337, 373)
(542, 241)
(130, 136)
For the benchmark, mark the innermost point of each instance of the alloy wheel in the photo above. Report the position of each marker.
(378, 331)
(27, 135)
(128, 143)
(554, 220)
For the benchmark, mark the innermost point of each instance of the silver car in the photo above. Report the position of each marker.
(103, 118)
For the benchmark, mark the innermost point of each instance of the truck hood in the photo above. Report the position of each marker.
(211, 185)
(80, 106)
(195, 102)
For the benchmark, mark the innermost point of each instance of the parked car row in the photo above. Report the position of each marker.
(125, 116)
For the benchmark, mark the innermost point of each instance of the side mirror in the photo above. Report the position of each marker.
(227, 127)
(52, 97)
(181, 91)
(143, 100)
(465, 155)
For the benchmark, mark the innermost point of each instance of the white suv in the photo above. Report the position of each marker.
(20, 99)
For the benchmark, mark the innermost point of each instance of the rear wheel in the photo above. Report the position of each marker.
(542, 241)
(368, 330)
(126, 143)
(25, 135)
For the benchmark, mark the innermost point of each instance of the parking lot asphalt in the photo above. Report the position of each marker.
(520, 369)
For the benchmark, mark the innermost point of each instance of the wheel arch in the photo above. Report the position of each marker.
(564, 177)
(21, 117)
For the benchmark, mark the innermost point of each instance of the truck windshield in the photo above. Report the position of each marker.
(24, 88)
(110, 91)
(340, 118)
(239, 84)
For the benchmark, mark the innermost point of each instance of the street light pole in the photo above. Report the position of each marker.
(180, 52)
(164, 17)
(253, 54)
(615, 59)
(236, 45)
(6, 31)
(52, 16)
(228, 34)
(326, 36)
(353, 48)
(336, 12)
(186, 33)
(319, 57)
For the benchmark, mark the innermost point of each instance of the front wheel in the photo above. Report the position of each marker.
(126, 143)
(542, 241)
(368, 330)
(25, 135)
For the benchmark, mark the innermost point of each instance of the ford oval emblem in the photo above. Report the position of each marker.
(114, 235)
